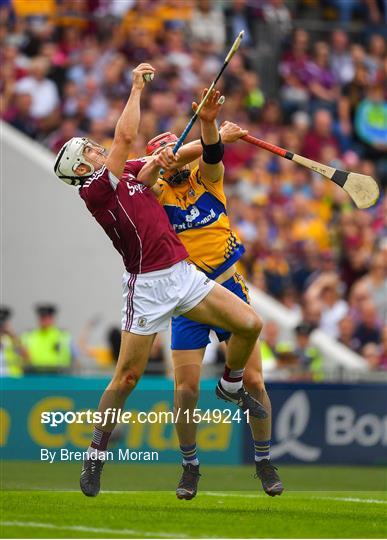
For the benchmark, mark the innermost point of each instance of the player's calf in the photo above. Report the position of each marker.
(242, 399)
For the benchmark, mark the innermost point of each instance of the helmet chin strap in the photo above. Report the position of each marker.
(178, 178)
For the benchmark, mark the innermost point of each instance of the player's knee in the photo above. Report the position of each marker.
(127, 379)
(187, 390)
(252, 325)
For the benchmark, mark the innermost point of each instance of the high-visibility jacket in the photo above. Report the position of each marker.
(10, 359)
(48, 347)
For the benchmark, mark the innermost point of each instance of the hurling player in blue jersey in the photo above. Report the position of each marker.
(196, 205)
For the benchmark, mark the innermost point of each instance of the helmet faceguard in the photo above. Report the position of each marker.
(178, 177)
(155, 145)
(70, 156)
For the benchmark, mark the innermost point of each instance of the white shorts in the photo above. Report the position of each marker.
(151, 299)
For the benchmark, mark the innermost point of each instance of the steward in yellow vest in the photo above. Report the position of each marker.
(12, 354)
(49, 348)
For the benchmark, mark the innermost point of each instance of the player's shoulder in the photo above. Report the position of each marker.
(214, 187)
(134, 166)
(97, 187)
(197, 176)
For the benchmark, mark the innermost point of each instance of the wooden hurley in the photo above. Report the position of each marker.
(363, 190)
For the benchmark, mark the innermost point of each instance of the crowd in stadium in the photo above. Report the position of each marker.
(66, 71)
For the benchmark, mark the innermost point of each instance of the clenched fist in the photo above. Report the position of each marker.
(138, 75)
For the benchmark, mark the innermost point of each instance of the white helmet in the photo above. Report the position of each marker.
(70, 156)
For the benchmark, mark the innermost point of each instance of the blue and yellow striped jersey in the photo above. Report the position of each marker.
(197, 212)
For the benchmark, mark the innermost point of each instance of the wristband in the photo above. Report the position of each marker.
(213, 153)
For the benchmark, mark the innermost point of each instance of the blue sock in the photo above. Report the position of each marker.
(262, 450)
(189, 454)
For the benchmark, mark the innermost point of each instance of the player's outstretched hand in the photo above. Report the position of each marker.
(212, 106)
(231, 132)
(139, 73)
(166, 159)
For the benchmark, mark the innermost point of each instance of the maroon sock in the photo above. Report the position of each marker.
(100, 439)
(232, 379)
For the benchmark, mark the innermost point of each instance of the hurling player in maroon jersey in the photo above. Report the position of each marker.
(157, 282)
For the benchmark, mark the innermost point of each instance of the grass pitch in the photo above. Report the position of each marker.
(42, 501)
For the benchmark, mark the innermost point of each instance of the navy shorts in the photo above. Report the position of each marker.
(188, 335)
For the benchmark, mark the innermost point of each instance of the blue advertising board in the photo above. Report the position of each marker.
(327, 423)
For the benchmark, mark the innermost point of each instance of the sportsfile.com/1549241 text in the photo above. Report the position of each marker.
(113, 415)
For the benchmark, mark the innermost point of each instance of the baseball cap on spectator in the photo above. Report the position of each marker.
(5, 314)
(304, 328)
(42, 310)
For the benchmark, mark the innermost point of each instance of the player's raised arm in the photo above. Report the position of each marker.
(210, 164)
(229, 133)
(127, 125)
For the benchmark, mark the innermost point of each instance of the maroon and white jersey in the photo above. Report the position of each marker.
(133, 219)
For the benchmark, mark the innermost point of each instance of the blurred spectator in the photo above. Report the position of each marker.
(289, 299)
(239, 15)
(50, 349)
(306, 265)
(277, 270)
(105, 356)
(306, 225)
(97, 104)
(294, 91)
(375, 57)
(143, 14)
(175, 49)
(13, 355)
(324, 293)
(352, 93)
(277, 14)
(320, 136)
(341, 60)
(321, 82)
(99, 132)
(87, 66)
(271, 121)
(44, 93)
(371, 122)
(208, 25)
(67, 130)
(371, 354)
(368, 329)
(346, 333)
(310, 361)
(373, 285)
(18, 115)
(254, 98)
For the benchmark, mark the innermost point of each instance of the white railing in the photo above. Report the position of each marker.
(334, 353)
